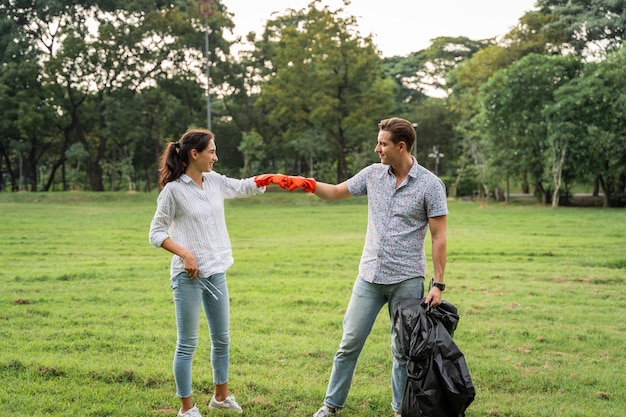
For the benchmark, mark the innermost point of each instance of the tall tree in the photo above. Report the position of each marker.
(325, 78)
(512, 111)
(530, 35)
(408, 94)
(588, 120)
(442, 56)
(94, 52)
(435, 147)
(592, 26)
(27, 129)
(538, 32)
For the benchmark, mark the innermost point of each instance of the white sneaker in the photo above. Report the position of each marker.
(325, 412)
(192, 412)
(229, 403)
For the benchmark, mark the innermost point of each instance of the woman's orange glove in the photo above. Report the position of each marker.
(307, 184)
(278, 179)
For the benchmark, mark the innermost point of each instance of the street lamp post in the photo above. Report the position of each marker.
(436, 155)
(206, 8)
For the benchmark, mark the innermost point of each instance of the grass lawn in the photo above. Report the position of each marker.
(87, 323)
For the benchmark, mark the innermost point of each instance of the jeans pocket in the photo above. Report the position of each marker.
(175, 282)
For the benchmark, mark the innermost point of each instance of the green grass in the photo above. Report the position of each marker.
(87, 323)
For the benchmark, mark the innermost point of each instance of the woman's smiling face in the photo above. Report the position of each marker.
(207, 157)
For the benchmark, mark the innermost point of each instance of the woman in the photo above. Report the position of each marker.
(190, 223)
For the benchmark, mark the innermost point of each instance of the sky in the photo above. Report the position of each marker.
(399, 27)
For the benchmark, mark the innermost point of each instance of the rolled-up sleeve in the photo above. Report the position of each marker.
(193, 217)
(236, 188)
(162, 218)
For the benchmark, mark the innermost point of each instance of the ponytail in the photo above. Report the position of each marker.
(175, 157)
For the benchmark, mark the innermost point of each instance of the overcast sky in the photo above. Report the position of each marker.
(399, 26)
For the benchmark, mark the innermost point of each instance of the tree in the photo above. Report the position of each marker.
(423, 75)
(253, 151)
(442, 56)
(592, 26)
(159, 114)
(326, 78)
(530, 35)
(93, 54)
(465, 82)
(435, 130)
(28, 133)
(537, 31)
(512, 105)
(588, 120)
(408, 93)
(35, 122)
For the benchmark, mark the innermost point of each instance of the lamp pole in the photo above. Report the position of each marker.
(437, 155)
(206, 9)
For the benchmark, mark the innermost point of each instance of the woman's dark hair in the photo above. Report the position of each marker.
(175, 157)
(401, 131)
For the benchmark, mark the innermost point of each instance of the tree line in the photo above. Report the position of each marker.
(90, 92)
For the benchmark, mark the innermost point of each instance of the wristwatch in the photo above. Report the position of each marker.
(439, 285)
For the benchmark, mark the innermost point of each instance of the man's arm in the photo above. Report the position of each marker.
(437, 227)
(332, 192)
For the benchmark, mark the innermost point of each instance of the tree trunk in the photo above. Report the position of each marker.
(147, 187)
(507, 196)
(541, 192)
(12, 173)
(57, 165)
(92, 165)
(607, 191)
(525, 185)
(94, 171)
(342, 169)
(557, 176)
(33, 167)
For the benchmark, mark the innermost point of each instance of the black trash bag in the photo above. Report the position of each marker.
(438, 379)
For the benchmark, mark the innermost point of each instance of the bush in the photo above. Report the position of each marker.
(465, 187)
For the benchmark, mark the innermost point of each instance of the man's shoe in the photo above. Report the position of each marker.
(325, 412)
(192, 412)
(229, 403)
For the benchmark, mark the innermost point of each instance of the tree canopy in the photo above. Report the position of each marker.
(91, 92)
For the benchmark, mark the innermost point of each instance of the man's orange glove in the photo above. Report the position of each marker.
(278, 179)
(307, 184)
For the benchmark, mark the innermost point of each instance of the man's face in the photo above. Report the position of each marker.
(386, 149)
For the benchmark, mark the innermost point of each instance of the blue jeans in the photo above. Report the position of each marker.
(189, 294)
(366, 301)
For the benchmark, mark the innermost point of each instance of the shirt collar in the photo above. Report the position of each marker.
(412, 171)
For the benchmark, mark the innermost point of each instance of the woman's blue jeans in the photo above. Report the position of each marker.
(366, 301)
(189, 295)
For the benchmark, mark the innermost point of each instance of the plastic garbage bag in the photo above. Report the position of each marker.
(438, 379)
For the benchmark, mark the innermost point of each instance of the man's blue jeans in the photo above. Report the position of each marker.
(189, 295)
(366, 301)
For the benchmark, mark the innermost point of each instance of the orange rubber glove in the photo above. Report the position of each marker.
(278, 179)
(307, 184)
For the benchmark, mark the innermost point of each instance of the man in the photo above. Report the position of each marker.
(404, 201)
